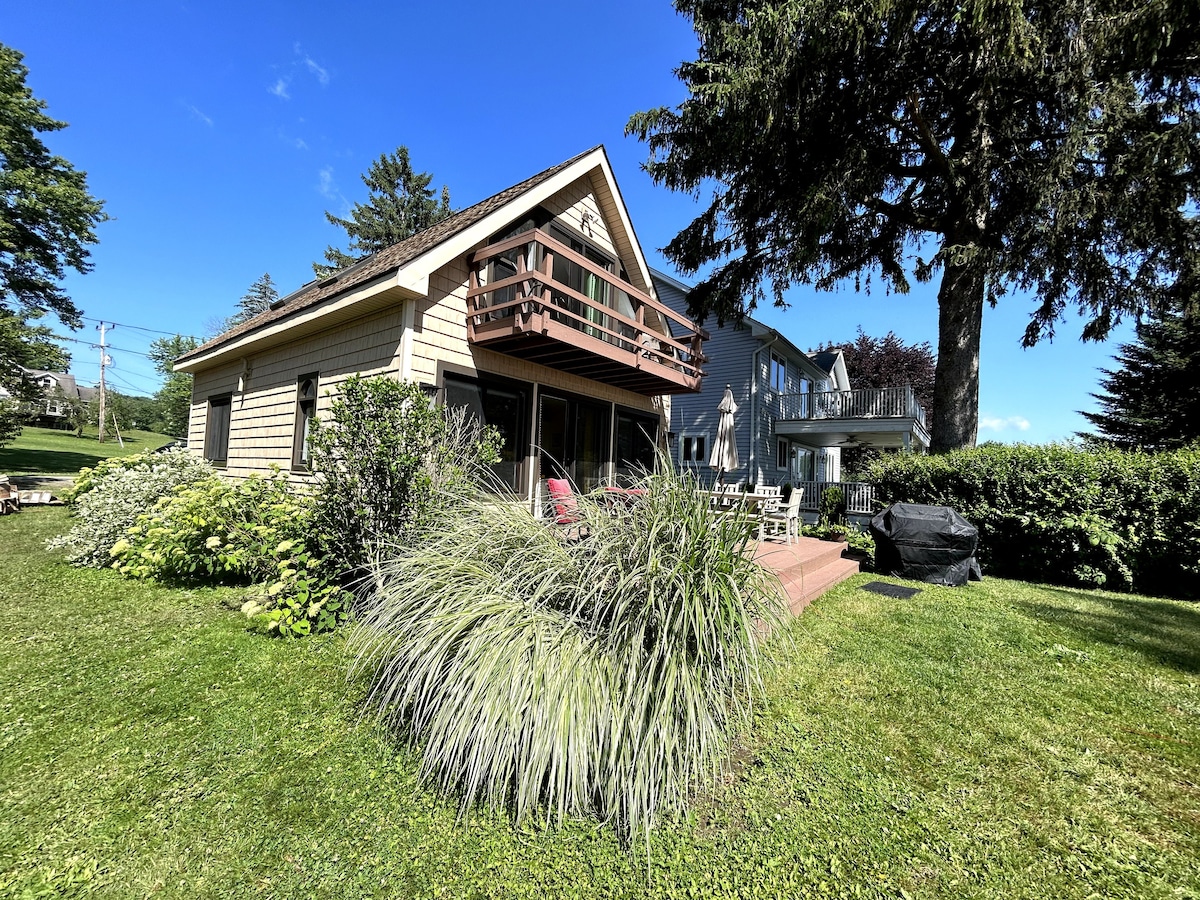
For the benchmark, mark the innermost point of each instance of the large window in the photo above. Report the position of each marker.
(216, 433)
(306, 409)
(573, 439)
(504, 406)
(778, 372)
(636, 445)
(783, 454)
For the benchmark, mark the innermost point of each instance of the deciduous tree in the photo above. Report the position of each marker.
(401, 204)
(873, 362)
(1048, 147)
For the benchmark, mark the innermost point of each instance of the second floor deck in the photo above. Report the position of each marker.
(878, 417)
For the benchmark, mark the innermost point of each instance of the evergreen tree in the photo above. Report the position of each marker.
(47, 215)
(1152, 401)
(175, 396)
(401, 204)
(257, 299)
(1046, 145)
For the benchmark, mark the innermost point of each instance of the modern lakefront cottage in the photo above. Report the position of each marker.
(535, 308)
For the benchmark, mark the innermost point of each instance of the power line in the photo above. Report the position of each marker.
(60, 337)
(133, 387)
(138, 327)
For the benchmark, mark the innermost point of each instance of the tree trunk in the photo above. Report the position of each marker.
(956, 381)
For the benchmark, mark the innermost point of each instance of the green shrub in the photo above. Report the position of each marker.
(597, 668)
(1058, 513)
(253, 531)
(386, 458)
(109, 498)
(832, 507)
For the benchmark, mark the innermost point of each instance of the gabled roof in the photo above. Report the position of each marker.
(825, 359)
(61, 379)
(386, 262)
(763, 332)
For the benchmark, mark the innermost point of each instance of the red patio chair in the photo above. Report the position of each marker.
(566, 507)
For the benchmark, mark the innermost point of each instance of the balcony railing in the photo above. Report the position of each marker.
(859, 497)
(864, 403)
(533, 297)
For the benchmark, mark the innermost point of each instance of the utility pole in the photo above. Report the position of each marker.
(104, 361)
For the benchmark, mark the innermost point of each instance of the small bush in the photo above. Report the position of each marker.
(109, 498)
(385, 458)
(595, 669)
(833, 506)
(1061, 514)
(253, 531)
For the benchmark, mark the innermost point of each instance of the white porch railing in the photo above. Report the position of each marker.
(860, 497)
(864, 403)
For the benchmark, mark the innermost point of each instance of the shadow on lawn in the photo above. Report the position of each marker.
(1167, 633)
(37, 461)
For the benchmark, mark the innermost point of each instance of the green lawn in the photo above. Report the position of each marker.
(46, 451)
(1000, 740)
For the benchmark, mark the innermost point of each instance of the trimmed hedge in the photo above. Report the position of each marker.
(1060, 514)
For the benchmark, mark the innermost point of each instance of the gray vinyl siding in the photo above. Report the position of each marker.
(731, 354)
(730, 351)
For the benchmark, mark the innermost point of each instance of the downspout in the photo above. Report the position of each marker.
(750, 470)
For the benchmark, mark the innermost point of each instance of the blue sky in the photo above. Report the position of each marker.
(219, 133)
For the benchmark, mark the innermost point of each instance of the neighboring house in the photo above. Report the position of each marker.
(534, 308)
(60, 394)
(796, 411)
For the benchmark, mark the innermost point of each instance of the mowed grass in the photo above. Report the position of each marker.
(47, 451)
(1001, 740)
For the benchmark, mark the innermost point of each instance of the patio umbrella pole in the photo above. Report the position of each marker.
(724, 455)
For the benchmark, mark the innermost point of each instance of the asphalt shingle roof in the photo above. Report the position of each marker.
(384, 261)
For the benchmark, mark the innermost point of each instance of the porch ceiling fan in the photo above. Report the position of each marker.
(850, 442)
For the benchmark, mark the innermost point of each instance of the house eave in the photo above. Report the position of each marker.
(363, 300)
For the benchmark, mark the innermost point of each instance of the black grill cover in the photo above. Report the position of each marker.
(933, 544)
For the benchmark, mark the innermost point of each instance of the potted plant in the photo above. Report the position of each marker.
(832, 514)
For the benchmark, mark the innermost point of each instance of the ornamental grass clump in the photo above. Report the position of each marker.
(598, 668)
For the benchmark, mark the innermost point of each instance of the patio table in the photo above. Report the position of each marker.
(754, 503)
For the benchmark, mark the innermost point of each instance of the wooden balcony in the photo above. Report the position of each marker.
(874, 417)
(535, 298)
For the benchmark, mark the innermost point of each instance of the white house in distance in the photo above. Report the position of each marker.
(535, 308)
(796, 411)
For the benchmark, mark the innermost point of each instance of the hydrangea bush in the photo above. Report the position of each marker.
(109, 499)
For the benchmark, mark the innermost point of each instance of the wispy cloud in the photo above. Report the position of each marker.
(299, 144)
(991, 423)
(320, 73)
(328, 188)
(198, 115)
(301, 62)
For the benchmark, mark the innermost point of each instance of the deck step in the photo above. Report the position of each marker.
(807, 568)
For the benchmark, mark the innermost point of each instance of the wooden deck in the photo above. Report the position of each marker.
(806, 569)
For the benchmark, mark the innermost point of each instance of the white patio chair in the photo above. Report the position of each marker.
(787, 516)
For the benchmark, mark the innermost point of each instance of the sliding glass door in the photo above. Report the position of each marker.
(573, 440)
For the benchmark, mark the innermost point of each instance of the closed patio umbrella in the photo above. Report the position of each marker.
(724, 457)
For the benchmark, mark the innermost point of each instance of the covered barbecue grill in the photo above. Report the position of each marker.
(933, 544)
